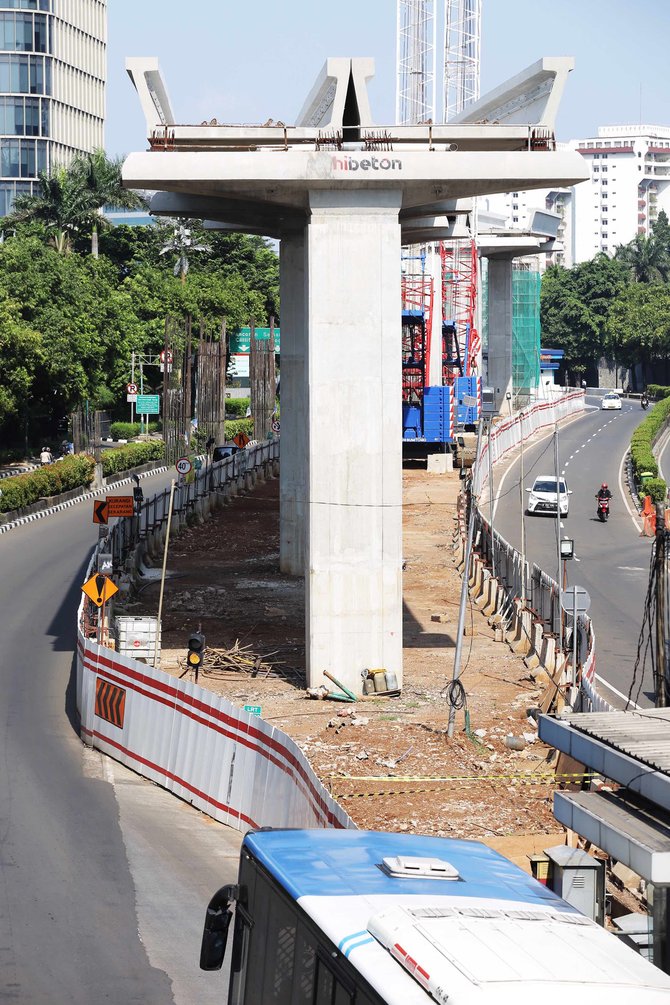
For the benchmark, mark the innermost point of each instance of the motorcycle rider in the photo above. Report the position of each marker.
(604, 493)
(644, 400)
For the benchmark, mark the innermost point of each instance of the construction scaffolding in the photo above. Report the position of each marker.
(461, 344)
(210, 385)
(417, 312)
(262, 381)
(525, 332)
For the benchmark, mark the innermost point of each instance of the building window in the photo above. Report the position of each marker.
(23, 32)
(24, 117)
(22, 158)
(28, 4)
(24, 74)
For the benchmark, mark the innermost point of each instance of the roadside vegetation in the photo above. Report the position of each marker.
(77, 296)
(614, 307)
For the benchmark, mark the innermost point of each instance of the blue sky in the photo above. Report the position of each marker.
(249, 61)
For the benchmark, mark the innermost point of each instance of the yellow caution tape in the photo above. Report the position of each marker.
(464, 778)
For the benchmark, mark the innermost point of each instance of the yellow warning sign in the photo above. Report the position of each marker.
(100, 589)
(240, 439)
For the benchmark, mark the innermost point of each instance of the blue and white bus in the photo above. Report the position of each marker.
(346, 917)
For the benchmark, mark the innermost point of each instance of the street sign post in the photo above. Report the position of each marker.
(183, 465)
(575, 600)
(100, 511)
(240, 440)
(148, 404)
(99, 589)
(120, 506)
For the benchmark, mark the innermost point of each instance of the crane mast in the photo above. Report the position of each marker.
(462, 53)
(416, 91)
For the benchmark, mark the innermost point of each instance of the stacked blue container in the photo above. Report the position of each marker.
(437, 414)
(466, 414)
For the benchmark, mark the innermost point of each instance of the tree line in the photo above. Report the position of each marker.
(618, 308)
(78, 296)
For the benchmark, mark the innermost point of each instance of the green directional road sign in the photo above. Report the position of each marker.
(253, 709)
(148, 404)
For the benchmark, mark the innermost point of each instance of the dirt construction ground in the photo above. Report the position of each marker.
(388, 760)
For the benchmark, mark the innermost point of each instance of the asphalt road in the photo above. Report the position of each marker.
(612, 560)
(104, 876)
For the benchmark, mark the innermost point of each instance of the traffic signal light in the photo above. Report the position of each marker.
(196, 651)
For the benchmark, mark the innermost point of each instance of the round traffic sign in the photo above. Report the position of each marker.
(575, 600)
(131, 388)
(275, 426)
(169, 355)
(183, 465)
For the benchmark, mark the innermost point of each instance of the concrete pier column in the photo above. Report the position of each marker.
(500, 329)
(293, 391)
(354, 527)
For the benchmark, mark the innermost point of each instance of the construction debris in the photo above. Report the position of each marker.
(241, 659)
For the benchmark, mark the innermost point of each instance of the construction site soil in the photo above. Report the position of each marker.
(387, 760)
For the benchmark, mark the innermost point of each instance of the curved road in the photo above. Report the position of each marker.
(104, 876)
(612, 559)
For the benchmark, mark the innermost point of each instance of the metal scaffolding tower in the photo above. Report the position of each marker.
(462, 48)
(416, 42)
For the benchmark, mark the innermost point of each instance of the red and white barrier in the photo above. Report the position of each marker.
(229, 763)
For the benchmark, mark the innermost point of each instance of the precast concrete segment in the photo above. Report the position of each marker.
(354, 588)
(294, 398)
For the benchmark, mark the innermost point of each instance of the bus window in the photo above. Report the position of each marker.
(305, 965)
(329, 989)
(240, 958)
(279, 951)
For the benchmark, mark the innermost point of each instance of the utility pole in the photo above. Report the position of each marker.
(522, 506)
(558, 541)
(466, 572)
(660, 564)
(490, 459)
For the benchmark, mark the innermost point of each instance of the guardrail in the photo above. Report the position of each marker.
(229, 763)
(189, 496)
(524, 597)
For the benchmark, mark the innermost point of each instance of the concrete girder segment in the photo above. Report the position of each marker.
(336, 190)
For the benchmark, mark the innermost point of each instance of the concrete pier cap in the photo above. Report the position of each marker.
(341, 194)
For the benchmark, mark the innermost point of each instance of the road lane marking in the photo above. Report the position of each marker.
(631, 568)
(634, 517)
(624, 697)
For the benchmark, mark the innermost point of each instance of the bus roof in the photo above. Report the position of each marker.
(490, 936)
(345, 862)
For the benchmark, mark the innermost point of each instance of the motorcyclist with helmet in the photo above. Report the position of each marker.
(603, 492)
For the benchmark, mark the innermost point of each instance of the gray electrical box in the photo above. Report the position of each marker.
(488, 402)
(578, 878)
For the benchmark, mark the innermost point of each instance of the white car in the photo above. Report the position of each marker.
(611, 400)
(543, 496)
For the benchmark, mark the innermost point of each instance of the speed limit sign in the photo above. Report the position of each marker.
(183, 465)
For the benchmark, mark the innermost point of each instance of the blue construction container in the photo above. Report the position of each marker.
(466, 387)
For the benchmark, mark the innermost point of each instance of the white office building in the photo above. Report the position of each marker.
(52, 87)
(629, 185)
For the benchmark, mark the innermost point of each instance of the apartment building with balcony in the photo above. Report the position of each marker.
(628, 187)
(52, 87)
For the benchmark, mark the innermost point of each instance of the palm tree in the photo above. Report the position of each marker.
(70, 200)
(647, 258)
(61, 205)
(101, 177)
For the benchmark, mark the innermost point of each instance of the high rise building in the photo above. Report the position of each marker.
(52, 87)
(628, 187)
